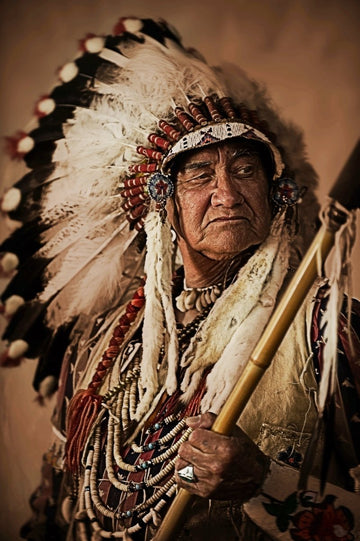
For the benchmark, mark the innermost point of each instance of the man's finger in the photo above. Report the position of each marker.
(205, 420)
(207, 464)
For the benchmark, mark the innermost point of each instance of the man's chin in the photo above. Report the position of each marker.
(223, 253)
(226, 247)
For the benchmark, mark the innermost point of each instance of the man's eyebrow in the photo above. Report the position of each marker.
(194, 165)
(239, 153)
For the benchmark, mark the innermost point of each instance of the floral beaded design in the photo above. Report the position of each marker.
(315, 521)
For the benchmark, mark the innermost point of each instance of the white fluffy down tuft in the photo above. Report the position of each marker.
(9, 262)
(25, 144)
(17, 349)
(47, 386)
(68, 72)
(11, 200)
(12, 304)
(46, 106)
(132, 25)
(94, 44)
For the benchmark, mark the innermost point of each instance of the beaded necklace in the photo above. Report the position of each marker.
(202, 298)
(197, 297)
(142, 472)
(85, 404)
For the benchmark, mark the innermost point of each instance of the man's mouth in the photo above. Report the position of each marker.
(228, 219)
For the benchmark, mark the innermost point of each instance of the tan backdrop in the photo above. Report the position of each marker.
(306, 51)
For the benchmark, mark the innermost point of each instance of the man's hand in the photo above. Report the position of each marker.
(225, 468)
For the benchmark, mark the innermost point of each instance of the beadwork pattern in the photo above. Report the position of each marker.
(208, 121)
(142, 471)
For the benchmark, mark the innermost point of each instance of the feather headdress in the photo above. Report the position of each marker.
(123, 109)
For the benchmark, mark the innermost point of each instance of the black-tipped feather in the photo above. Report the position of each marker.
(28, 317)
(24, 241)
(28, 282)
(34, 179)
(51, 358)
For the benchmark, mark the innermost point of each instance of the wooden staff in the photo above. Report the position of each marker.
(346, 191)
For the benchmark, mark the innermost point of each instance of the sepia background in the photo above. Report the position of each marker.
(305, 51)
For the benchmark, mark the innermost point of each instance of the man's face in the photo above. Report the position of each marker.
(221, 204)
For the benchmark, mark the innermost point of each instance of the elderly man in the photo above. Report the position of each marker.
(149, 332)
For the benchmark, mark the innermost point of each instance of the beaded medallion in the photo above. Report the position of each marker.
(286, 192)
(160, 187)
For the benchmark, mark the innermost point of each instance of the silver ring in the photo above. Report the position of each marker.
(187, 474)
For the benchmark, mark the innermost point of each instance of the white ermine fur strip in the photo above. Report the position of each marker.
(153, 314)
(229, 367)
(164, 282)
(158, 307)
(232, 309)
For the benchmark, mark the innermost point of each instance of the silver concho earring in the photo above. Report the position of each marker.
(285, 193)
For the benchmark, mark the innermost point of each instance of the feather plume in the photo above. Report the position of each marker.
(75, 236)
(339, 275)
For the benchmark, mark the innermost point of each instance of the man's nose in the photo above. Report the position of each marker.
(226, 192)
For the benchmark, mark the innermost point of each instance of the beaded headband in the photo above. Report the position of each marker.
(210, 121)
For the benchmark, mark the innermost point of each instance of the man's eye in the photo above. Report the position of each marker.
(244, 170)
(199, 178)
